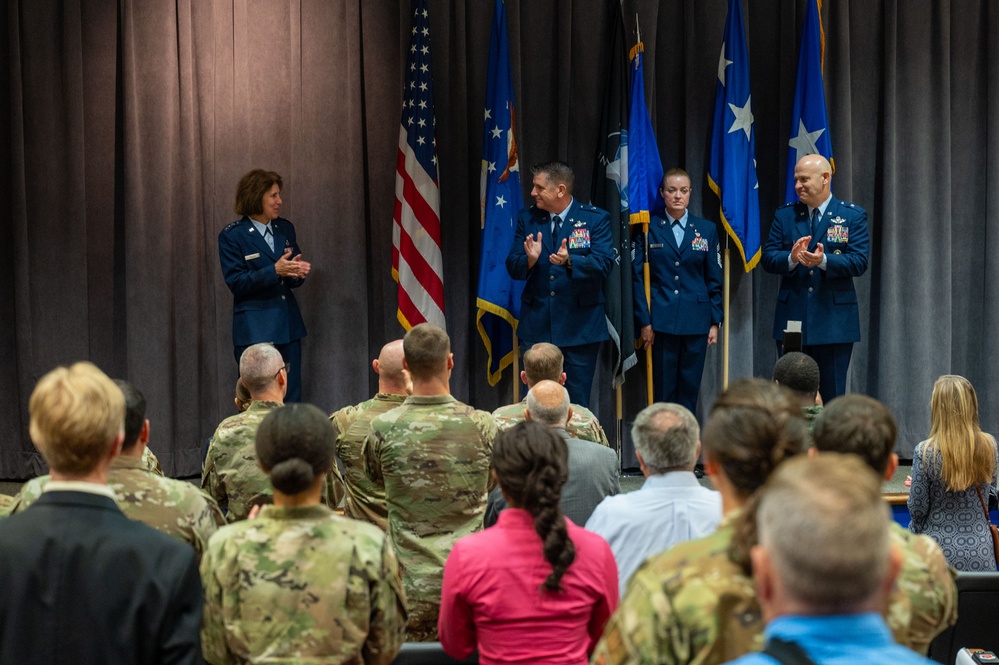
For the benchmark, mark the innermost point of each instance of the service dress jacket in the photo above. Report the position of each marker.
(825, 301)
(264, 306)
(562, 305)
(686, 281)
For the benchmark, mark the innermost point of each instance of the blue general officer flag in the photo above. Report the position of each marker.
(732, 166)
(645, 169)
(498, 301)
(809, 122)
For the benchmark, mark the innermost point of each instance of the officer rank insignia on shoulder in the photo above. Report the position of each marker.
(230, 226)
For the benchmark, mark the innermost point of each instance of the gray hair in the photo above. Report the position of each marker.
(666, 435)
(549, 412)
(258, 366)
(824, 524)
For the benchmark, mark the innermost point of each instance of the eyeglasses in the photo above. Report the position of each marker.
(286, 368)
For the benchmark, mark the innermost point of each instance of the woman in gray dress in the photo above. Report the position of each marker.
(948, 471)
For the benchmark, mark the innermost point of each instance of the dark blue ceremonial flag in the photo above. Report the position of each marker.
(498, 301)
(610, 192)
(645, 169)
(732, 164)
(809, 134)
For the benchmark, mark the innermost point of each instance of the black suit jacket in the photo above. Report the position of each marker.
(82, 584)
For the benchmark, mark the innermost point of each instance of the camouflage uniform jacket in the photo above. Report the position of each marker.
(691, 604)
(433, 455)
(175, 507)
(364, 499)
(301, 585)
(231, 475)
(811, 413)
(6, 503)
(583, 424)
(150, 461)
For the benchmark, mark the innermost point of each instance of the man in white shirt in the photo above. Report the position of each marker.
(671, 507)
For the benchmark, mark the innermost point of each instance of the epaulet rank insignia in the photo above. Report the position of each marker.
(230, 226)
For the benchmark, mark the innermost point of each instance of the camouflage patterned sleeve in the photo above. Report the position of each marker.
(927, 581)
(488, 428)
(205, 520)
(6, 503)
(211, 482)
(388, 611)
(599, 434)
(213, 645)
(151, 462)
(29, 493)
(630, 637)
(371, 451)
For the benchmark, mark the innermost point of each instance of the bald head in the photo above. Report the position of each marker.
(812, 177)
(388, 367)
(548, 404)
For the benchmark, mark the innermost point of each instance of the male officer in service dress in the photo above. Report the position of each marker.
(261, 264)
(563, 249)
(818, 246)
(686, 289)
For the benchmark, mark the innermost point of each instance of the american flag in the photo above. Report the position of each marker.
(417, 263)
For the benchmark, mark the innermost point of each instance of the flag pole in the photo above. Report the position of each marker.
(726, 292)
(648, 301)
(516, 369)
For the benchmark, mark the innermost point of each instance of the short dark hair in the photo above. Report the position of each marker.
(294, 443)
(558, 173)
(251, 189)
(798, 372)
(860, 425)
(135, 413)
(426, 347)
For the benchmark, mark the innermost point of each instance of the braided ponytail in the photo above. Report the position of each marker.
(531, 464)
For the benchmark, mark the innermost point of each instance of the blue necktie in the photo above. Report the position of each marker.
(556, 225)
(269, 236)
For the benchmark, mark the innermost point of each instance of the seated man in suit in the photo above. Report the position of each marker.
(593, 469)
(82, 583)
(824, 569)
(175, 507)
(544, 361)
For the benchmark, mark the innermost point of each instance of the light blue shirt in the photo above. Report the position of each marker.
(262, 230)
(669, 509)
(841, 639)
(678, 229)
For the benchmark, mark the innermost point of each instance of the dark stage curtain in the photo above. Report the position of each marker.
(125, 126)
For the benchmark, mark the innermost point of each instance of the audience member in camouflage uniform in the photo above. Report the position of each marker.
(300, 583)
(365, 499)
(432, 453)
(694, 603)
(824, 568)
(542, 362)
(925, 602)
(231, 474)
(150, 461)
(174, 507)
(799, 373)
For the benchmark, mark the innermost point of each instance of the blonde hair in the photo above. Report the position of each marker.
(967, 453)
(77, 413)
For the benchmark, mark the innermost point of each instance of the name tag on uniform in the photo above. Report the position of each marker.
(699, 244)
(838, 233)
(250, 257)
(579, 238)
(656, 245)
